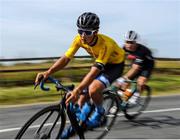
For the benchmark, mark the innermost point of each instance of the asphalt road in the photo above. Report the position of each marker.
(161, 120)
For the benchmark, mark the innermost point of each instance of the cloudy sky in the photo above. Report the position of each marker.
(40, 28)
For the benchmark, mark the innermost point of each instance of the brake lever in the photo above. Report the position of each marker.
(39, 80)
(35, 85)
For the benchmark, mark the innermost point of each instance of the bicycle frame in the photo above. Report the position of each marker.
(61, 110)
(125, 106)
(71, 116)
(133, 88)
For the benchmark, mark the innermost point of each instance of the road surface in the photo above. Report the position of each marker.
(161, 120)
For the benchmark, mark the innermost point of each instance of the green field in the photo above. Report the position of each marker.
(164, 82)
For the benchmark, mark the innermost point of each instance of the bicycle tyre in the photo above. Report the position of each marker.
(147, 98)
(113, 102)
(51, 108)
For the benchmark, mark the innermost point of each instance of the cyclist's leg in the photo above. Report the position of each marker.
(84, 97)
(81, 109)
(112, 72)
(95, 92)
(84, 103)
(143, 78)
(95, 89)
(141, 82)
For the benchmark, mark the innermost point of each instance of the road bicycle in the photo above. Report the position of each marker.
(50, 122)
(131, 111)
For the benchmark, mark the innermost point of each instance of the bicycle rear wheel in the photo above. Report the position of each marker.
(46, 124)
(110, 104)
(132, 111)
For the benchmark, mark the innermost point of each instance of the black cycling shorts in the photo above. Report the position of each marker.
(111, 73)
(145, 73)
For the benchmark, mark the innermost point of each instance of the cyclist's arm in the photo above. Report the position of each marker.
(63, 61)
(59, 64)
(136, 66)
(133, 71)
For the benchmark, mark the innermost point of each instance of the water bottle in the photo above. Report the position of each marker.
(127, 94)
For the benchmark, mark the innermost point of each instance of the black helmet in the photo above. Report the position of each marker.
(89, 21)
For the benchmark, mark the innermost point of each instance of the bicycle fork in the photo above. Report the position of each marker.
(75, 124)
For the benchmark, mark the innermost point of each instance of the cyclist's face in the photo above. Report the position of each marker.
(87, 36)
(130, 45)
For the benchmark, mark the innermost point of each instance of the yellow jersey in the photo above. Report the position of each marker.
(105, 51)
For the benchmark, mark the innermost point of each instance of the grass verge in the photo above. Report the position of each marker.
(161, 85)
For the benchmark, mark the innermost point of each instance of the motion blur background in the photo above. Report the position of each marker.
(46, 28)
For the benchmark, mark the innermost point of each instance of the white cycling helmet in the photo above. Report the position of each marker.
(131, 36)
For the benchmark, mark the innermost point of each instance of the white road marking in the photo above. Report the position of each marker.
(155, 111)
(119, 114)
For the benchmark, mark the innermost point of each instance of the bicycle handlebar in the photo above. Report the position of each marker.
(53, 80)
(47, 88)
(58, 86)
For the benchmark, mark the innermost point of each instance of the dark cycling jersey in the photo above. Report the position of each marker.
(142, 57)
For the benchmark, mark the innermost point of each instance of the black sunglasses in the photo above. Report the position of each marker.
(130, 42)
(87, 32)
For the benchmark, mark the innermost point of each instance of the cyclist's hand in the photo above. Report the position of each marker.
(120, 83)
(40, 77)
(71, 97)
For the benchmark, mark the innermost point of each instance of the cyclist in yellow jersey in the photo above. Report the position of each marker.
(108, 66)
(105, 51)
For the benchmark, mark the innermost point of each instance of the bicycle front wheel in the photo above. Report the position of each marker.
(46, 124)
(133, 110)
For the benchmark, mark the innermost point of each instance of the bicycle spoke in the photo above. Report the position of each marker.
(55, 122)
(51, 126)
(133, 110)
(44, 122)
